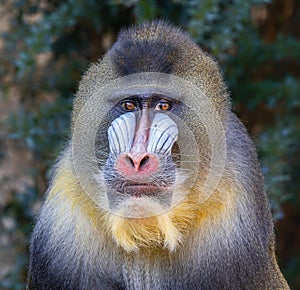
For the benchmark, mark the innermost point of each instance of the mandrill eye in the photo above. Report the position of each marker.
(163, 105)
(128, 105)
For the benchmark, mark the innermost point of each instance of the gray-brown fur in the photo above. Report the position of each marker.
(212, 256)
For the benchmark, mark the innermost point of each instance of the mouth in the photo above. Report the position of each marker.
(141, 194)
(139, 190)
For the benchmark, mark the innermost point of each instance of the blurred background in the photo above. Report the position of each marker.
(45, 46)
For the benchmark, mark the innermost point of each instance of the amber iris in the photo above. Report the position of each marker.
(128, 105)
(163, 105)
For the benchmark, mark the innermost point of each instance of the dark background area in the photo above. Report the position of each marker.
(45, 46)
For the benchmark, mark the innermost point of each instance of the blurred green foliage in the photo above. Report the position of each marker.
(261, 66)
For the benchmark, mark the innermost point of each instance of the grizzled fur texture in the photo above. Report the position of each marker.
(227, 241)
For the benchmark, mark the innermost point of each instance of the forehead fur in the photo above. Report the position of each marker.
(154, 47)
(151, 47)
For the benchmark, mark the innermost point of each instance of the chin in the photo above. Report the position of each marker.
(144, 222)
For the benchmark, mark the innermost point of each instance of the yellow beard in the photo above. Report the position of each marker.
(162, 230)
(165, 230)
(169, 228)
(132, 233)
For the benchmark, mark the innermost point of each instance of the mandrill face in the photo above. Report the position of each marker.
(140, 171)
(145, 159)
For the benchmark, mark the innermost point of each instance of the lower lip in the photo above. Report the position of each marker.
(144, 190)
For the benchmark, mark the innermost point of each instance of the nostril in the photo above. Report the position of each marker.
(134, 164)
(144, 161)
(137, 163)
(129, 159)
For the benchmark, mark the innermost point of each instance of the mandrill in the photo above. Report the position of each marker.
(159, 186)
